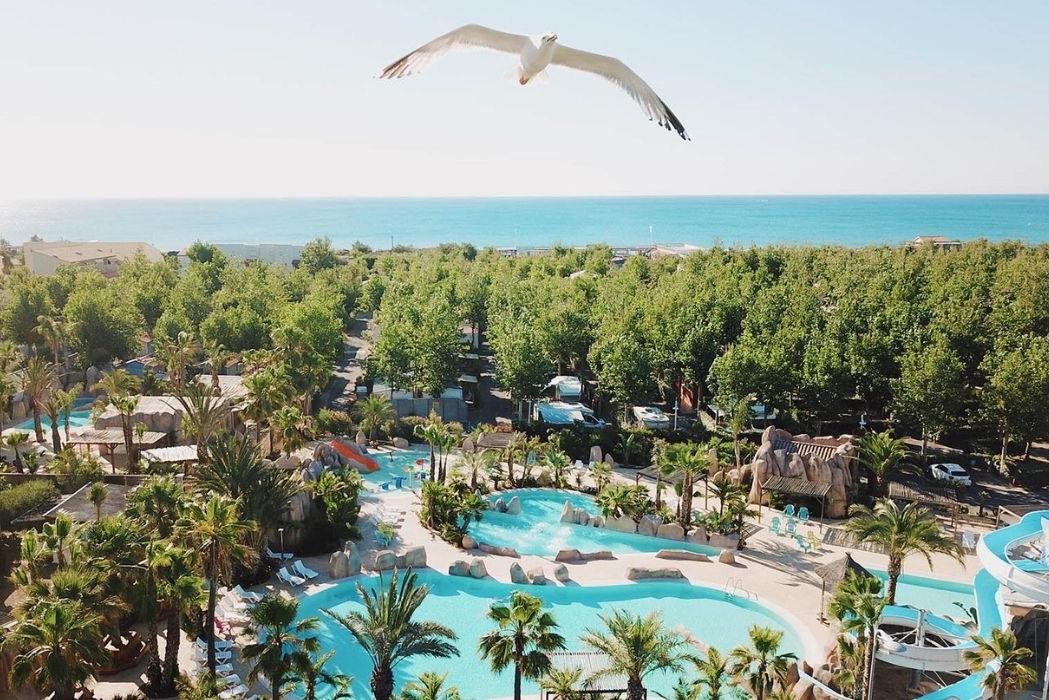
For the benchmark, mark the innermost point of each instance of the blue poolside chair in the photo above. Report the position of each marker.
(792, 526)
(804, 544)
(398, 482)
(789, 511)
(803, 514)
(385, 486)
(774, 526)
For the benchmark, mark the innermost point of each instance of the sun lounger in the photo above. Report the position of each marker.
(278, 556)
(813, 540)
(803, 514)
(220, 656)
(789, 511)
(224, 669)
(232, 679)
(289, 578)
(302, 570)
(803, 544)
(219, 644)
(237, 692)
(792, 526)
(774, 526)
(247, 595)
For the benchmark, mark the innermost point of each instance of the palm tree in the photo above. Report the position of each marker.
(294, 426)
(97, 495)
(430, 686)
(558, 462)
(16, 440)
(58, 645)
(617, 500)
(858, 604)
(690, 460)
(61, 537)
(7, 390)
(218, 356)
(627, 445)
(157, 557)
(36, 380)
(34, 554)
(158, 504)
(177, 354)
(713, 673)
(262, 491)
(386, 631)
(1003, 660)
(524, 637)
(67, 399)
(54, 404)
(564, 683)
(203, 415)
(900, 531)
(602, 474)
(518, 445)
(126, 406)
(635, 646)
(477, 463)
(372, 412)
(217, 535)
(761, 665)
(309, 672)
(53, 330)
(281, 639)
(881, 453)
(119, 382)
(430, 433)
(181, 591)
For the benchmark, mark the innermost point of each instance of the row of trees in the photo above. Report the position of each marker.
(935, 338)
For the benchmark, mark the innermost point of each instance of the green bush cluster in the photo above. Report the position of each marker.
(22, 498)
(334, 422)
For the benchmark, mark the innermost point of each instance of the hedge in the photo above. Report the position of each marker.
(27, 496)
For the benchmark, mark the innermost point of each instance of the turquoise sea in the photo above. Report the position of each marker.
(535, 222)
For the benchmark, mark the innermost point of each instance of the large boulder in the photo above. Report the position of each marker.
(91, 377)
(513, 506)
(478, 569)
(401, 443)
(682, 555)
(469, 542)
(353, 559)
(468, 444)
(561, 573)
(567, 512)
(415, 556)
(338, 565)
(671, 531)
(698, 534)
(624, 523)
(517, 573)
(600, 554)
(361, 438)
(724, 541)
(499, 505)
(458, 568)
(648, 525)
(595, 454)
(581, 517)
(536, 576)
(610, 460)
(569, 555)
(498, 551)
(726, 556)
(385, 560)
(644, 573)
(597, 521)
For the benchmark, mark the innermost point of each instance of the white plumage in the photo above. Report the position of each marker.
(535, 55)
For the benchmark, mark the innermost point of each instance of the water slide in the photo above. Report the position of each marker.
(355, 455)
(1000, 574)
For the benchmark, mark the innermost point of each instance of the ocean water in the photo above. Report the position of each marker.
(535, 222)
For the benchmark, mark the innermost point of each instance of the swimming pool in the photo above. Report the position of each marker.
(393, 463)
(539, 530)
(935, 595)
(79, 417)
(461, 604)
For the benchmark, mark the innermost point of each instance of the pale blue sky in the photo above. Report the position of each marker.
(224, 98)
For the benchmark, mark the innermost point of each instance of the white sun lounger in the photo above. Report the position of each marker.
(290, 579)
(220, 656)
(237, 692)
(222, 644)
(231, 679)
(302, 570)
(278, 556)
(247, 595)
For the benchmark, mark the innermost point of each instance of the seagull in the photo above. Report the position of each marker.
(536, 53)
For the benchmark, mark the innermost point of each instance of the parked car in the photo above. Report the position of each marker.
(953, 473)
(564, 413)
(652, 418)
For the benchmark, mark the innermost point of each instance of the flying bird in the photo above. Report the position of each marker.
(535, 55)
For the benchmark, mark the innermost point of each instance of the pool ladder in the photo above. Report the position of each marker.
(734, 587)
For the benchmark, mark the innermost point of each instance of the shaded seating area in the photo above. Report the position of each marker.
(802, 488)
(109, 439)
(590, 662)
(833, 573)
(932, 497)
(182, 456)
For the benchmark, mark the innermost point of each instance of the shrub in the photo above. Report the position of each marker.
(405, 427)
(337, 496)
(334, 422)
(72, 469)
(20, 499)
(449, 511)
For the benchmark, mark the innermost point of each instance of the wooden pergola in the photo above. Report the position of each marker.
(795, 486)
(589, 662)
(108, 439)
(934, 496)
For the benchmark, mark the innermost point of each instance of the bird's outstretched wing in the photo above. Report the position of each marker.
(619, 73)
(467, 36)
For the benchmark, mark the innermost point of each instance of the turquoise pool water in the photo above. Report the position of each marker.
(393, 463)
(79, 417)
(461, 604)
(931, 594)
(539, 530)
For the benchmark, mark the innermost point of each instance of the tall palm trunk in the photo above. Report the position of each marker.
(56, 437)
(38, 427)
(154, 671)
(518, 660)
(433, 464)
(382, 682)
(174, 639)
(635, 689)
(868, 665)
(895, 569)
(212, 604)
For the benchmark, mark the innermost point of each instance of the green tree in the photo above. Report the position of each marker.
(1017, 379)
(372, 412)
(881, 454)
(563, 683)
(36, 382)
(58, 644)
(761, 664)
(430, 686)
(309, 671)
(635, 646)
(521, 367)
(524, 637)
(97, 495)
(858, 605)
(901, 531)
(713, 672)
(280, 640)
(106, 325)
(931, 389)
(388, 633)
(1002, 658)
(318, 255)
(217, 535)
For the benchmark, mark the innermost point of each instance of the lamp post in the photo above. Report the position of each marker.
(675, 415)
(280, 531)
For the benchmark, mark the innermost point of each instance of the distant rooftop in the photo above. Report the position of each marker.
(74, 252)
